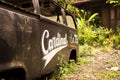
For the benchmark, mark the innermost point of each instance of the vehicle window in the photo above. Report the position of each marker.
(54, 13)
(48, 9)
(27, 6)
(70, 21)
(51, 11)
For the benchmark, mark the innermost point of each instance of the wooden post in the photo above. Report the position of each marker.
(106, 17)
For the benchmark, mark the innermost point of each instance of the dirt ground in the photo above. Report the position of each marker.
(104, 65)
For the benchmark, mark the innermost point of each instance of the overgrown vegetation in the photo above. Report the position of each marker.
(63, 70)
(91, 36)
(107, 75)
(90, 31)
(95, 36)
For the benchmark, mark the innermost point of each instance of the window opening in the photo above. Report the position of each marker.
(70, 21)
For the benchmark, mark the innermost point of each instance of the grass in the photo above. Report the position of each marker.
(107, 75)
(65, 70)
(85, 50)
(112, 63)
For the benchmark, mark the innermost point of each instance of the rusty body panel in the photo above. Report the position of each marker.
(32, 42)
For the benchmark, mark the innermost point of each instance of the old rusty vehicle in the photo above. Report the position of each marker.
(34, 34)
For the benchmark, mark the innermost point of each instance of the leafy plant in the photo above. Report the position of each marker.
(63, 70)
(115, 2)
(86, 50)
(67, 5)
(116, 38)
(93, 36)
(87, 31)
(103, 36)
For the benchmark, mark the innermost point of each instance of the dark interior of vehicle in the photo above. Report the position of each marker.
(46, 8)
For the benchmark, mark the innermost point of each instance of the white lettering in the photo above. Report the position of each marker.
(55, 44)
(73, 39)
(43, 37)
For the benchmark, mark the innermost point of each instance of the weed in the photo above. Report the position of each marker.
(64, 69)
(107, 75)
(112, 63)
(86, 50)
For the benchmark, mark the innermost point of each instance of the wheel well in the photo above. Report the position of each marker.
(73, 55)
(17, 73)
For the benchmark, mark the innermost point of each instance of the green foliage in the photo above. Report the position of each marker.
(116, 38)
(115, 2)
(64, 3)
(87, 23)
(86, 32)
(87, 18)
(103, 36)
(112, 63)
(67, 5)
(107, 75)
(86, 50)
(96, 36)
(93, 36)
(81, 61)
(64, 70)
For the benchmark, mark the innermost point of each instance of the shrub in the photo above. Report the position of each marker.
(63, 70)
(116, 38)
(93, 36)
